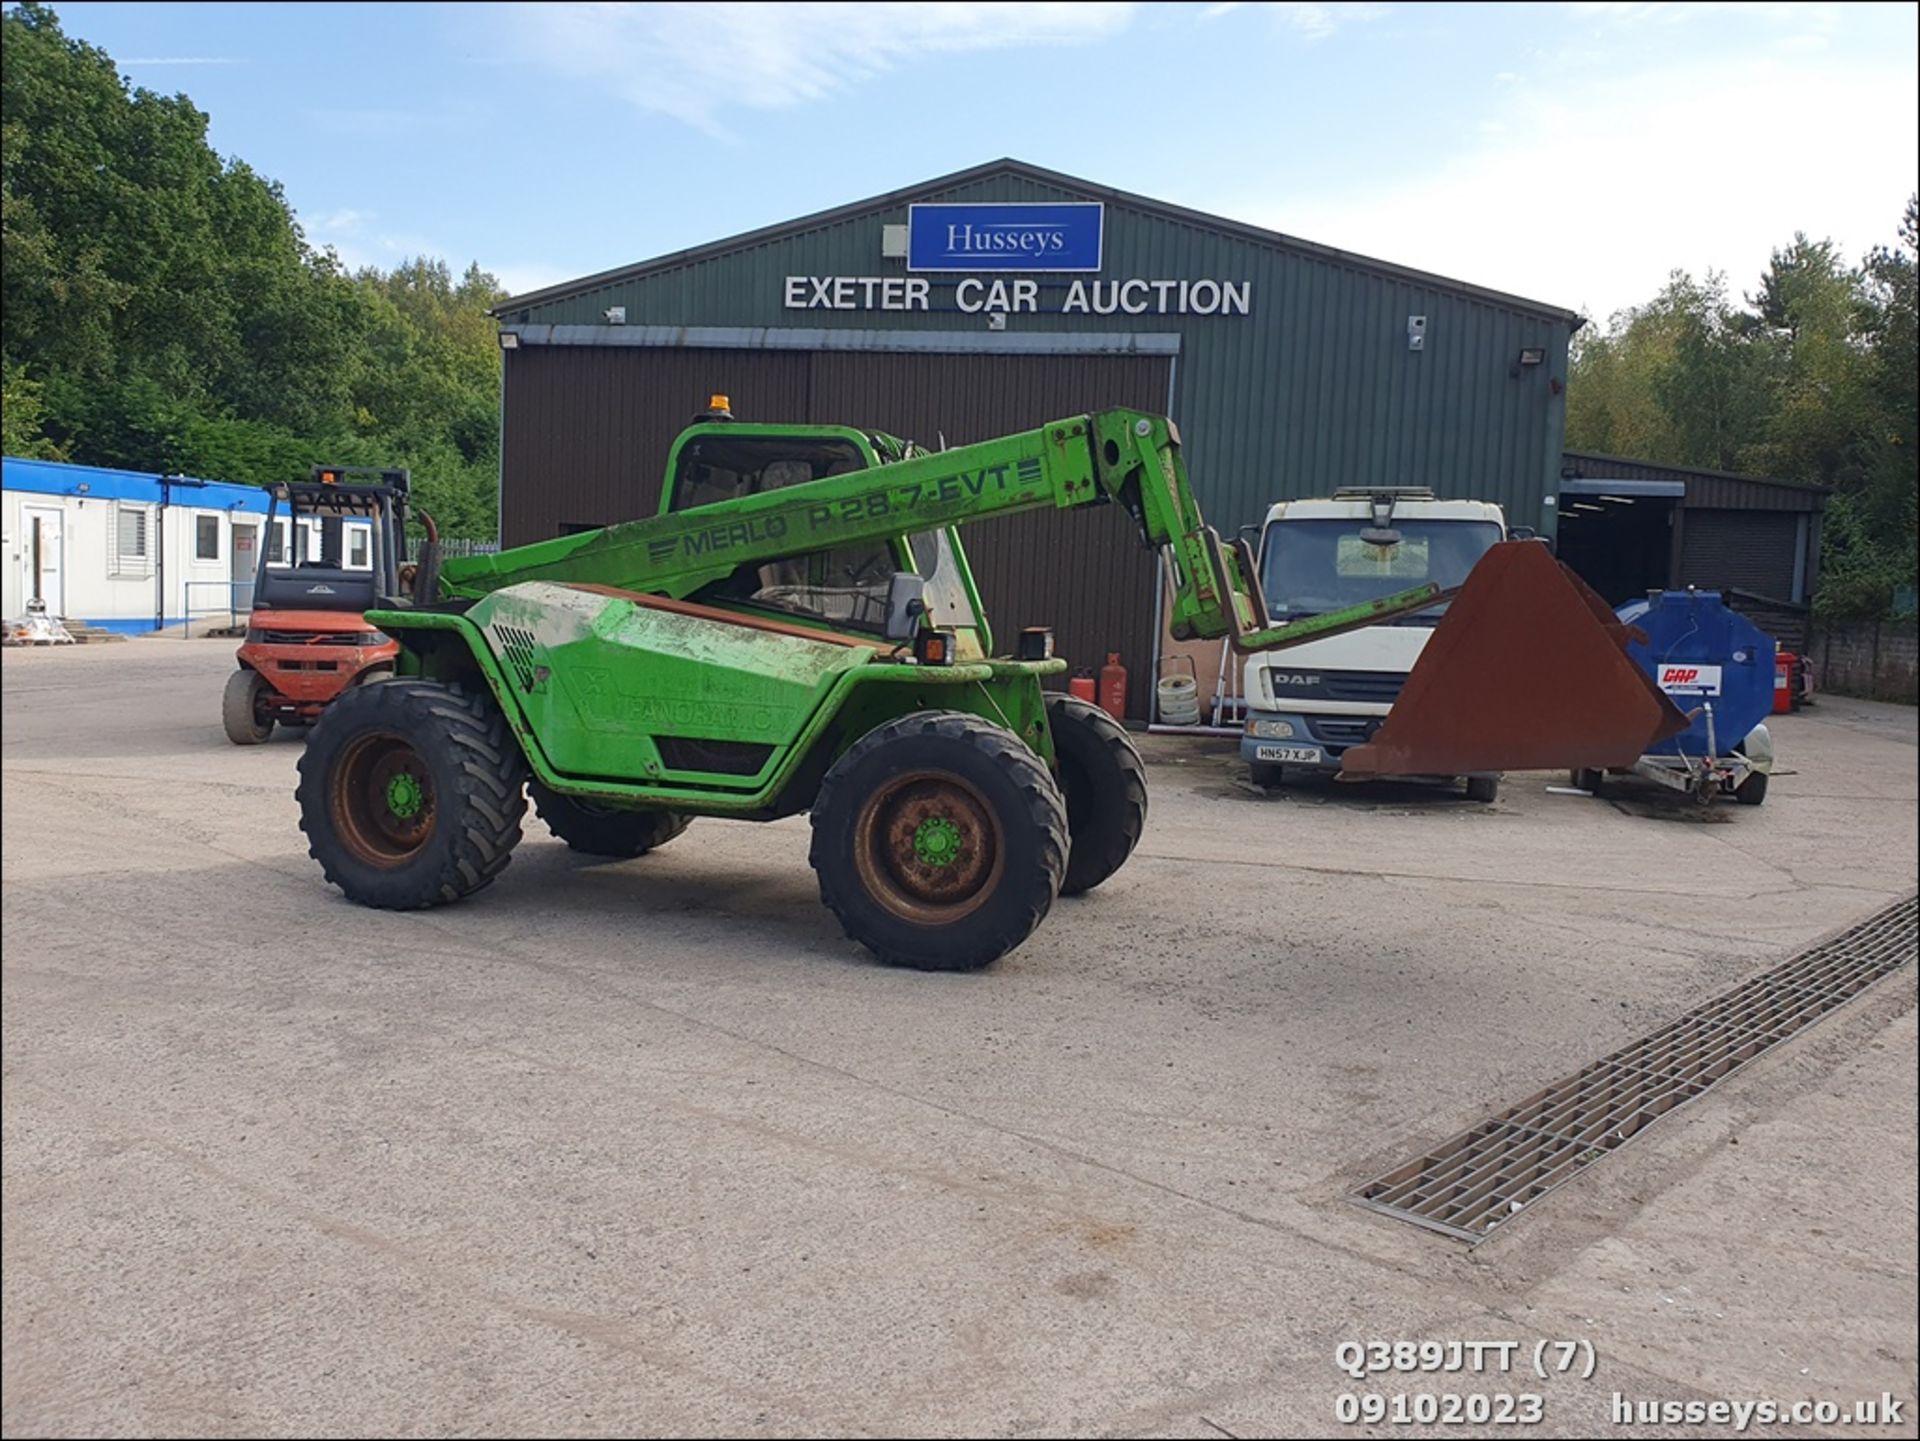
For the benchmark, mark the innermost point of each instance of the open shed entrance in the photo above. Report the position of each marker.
(1618, 534)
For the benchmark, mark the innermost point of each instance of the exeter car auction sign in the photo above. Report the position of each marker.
(1032, 238)
(1018, 297)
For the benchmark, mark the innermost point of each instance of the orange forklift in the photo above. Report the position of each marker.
(335, 548)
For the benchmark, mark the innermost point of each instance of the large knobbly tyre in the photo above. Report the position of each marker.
(604, 830)
(240, 708)
(411, 793)
(1105, 783)
(940, 841)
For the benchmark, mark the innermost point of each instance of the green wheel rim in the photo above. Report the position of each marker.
(405, 796)
(936, 841)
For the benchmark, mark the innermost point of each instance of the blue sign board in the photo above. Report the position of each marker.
(1064, 236)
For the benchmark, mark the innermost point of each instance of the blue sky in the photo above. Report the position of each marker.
(1573, 153)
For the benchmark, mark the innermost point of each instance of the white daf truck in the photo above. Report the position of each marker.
(1307, 704)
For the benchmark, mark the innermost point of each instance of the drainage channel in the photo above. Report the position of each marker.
(1466, 1187)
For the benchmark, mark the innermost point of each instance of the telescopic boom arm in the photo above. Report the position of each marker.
(1127, 456)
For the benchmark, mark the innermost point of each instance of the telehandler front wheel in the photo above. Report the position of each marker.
(411, 793)
(1105, 784)
(604, 830)
(940, 841)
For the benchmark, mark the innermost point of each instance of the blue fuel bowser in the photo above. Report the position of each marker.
(1717, 666)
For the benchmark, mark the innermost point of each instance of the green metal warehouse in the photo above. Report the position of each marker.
(1005, 296)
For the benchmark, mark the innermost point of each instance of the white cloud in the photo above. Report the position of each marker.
(341, 222)
(1597, 186)
(359, 241)
(695, 61)
(1314, 21)
(1797, 26)
(1679, 12)
(356, 237)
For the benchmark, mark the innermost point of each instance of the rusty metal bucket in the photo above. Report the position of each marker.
(1528, 670)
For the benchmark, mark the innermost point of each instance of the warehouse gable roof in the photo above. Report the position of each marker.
(1705, 488)
(1069, 184)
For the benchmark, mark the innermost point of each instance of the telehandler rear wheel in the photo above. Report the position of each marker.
(411, 793)
(940, 841)
(1105, 784)
(604, 830)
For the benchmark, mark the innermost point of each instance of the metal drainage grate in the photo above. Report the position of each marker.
(1467, 1186)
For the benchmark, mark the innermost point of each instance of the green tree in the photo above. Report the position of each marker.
(164, 311)
(1813, 380)
(21, 409)
(1669, 380)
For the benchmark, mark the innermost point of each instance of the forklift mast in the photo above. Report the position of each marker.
(324, 580)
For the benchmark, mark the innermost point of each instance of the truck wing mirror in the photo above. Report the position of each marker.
(906, 603)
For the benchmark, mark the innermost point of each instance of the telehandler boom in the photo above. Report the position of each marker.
(798, 630)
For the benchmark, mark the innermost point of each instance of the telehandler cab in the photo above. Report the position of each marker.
(797, 630)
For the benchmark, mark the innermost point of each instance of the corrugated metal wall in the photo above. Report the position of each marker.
(1315, 388)
(587, 433)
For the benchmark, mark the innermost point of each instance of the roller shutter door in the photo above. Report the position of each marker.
(1739, 549)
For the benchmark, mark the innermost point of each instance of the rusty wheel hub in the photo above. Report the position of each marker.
(382, 800)
(928, 847)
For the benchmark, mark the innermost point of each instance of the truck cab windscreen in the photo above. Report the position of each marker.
(1310, 567)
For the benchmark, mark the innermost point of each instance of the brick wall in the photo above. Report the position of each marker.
(1876, 659)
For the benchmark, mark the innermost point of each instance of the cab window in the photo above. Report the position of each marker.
(846, 587)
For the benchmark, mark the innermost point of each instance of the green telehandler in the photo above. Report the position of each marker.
(798, 630)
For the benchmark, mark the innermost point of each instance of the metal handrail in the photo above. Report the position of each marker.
(235, 607)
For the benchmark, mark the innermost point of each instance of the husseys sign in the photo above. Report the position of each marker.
(1005, 237)
(989, 240)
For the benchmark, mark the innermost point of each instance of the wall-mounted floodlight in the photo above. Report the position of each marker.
(509, 340)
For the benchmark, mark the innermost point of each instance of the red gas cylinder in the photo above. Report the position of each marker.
(1083, 687)
(1113, 687)
(1783, 664)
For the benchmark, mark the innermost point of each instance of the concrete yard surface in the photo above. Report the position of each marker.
(650, 1147)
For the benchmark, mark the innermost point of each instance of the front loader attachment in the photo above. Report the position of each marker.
(1528, 670)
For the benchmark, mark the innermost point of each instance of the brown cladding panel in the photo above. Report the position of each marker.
(1083, 571)
(588, 428)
